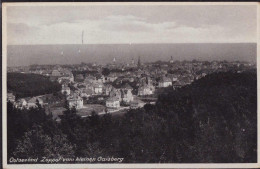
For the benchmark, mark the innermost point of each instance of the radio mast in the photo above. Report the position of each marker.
(82, 37)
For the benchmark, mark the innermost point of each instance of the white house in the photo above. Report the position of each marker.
(165, 82)
(146, 90)
(75, 101)
(127, 95)
(65, 90)
(32, 102)
(112, 102)
(10, 97)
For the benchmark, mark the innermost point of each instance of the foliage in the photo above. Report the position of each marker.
(28, 85)
(212, 120)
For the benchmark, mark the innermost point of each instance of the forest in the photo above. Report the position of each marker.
(28, 85)
(213, 120)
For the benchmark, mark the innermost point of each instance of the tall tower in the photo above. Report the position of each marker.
(114, 60)
(133, 61)
(139, 62)
(82, 37)
(171, 61)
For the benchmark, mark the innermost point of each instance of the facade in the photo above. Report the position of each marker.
(65, 90)
(112, 102)
(107, 89)
(165, 82)
(137, 104)
(10, 97)
(146, 90)
(86, 93)
(21, 103)
(75, 101)
(116, 93)
(32, 102)
(55, 73)
(98, 88)
(127, 95)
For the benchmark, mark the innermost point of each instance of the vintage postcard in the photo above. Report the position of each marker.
(130, 85)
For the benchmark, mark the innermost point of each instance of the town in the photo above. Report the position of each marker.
(115, 87)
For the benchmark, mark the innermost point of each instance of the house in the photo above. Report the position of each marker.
(126, 86)
(79, 78)
(111, 77)
(98, 88)
(112, 102)
(165, 82)
(75, 101)
(116, 93)
(146, 90)
(107, 89)
(32, 102)
(90, 79)
(10, 97)
(177, 84)
(127, 95)
(86, 93)
(21, 103)
(65, 90)
(173, 77)
(55, 73)
(137, 104)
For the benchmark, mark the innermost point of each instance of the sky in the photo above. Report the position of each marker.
(127, 24)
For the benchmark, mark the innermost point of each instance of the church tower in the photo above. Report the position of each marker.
(171, 61)
(139, 62)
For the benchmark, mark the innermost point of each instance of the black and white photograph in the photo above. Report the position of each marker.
(129, 83)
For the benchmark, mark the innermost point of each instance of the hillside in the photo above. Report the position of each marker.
(212, 120)
(28, 85)
(220, 112)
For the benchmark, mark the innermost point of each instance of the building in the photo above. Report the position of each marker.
(75, 101)
(107, 89)
(136, 104)
(32, 102)
(10, 97)
(116, 93)
(171, 61)
(165, 82)
(98, 88)
(79, 78)
(65, 90)
(86, 93)
(55, 73)
(127, 95)
(112, 102)
(146, 90)
(177, 84)
(21, 103)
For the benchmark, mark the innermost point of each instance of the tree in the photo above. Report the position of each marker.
(35, 143)
(105, 71)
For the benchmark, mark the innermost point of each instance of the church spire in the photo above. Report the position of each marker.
(139, 62)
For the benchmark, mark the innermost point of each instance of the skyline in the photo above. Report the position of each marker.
(19, 55)
(131, 24)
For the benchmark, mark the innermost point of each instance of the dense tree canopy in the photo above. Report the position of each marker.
(28, 85)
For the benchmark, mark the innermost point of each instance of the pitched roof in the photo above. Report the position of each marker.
(165, 79)
(112, 99)
(127, 86)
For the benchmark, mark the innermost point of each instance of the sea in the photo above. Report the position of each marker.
(24, 55)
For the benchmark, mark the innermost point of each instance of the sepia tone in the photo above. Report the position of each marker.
(106, 84)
